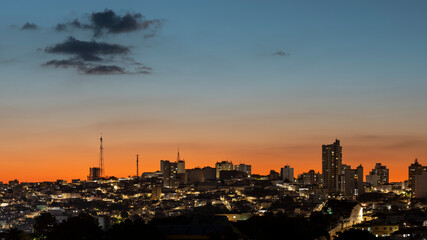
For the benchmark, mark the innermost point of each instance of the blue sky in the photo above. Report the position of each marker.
(351, 70)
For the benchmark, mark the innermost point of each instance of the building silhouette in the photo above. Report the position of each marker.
(247, 169)
(382, 172)
(223, 166)
(331, 166)
(414, 170)
(353, 181)
(173, 172)
(287, 174)
(311, 178)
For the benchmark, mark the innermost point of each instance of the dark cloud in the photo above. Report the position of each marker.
(105, 69)
(8, 61)
(87, 51)
(281, 53)
(61, 27)
(144, 70)
(85, 67)
(92, 57)
(29, 26)
(65, 63)
(108, 22)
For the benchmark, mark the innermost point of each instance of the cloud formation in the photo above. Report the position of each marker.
(281, 53)
(29, 26)
(100, 57)
(92, 57)
(88, 51)
(108, 22)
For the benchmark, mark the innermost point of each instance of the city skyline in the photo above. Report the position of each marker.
(264, 84)
(213, 164)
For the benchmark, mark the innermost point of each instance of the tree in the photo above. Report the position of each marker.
(124, 214)
(355, 234)
(16, 234)
(44, 224)
(81, 227)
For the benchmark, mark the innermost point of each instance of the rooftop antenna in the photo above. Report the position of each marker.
(137, 166)
(101, 157)
(178, 158)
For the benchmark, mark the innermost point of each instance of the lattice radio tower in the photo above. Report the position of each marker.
(101, 158)
(137, 166)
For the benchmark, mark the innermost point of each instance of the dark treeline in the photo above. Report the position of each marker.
(85, 227)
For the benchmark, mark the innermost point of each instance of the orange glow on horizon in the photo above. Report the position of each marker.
(73, 162)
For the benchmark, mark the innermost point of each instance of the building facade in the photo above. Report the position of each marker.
(223, 166)
(383, 173)
(247, 169)
(287, 174)
(414, 170)
(331, 166)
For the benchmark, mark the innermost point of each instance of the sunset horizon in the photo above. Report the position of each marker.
(123, 167)
(225, 119)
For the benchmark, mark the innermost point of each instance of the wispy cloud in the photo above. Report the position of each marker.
(30, 26)
(281, 53)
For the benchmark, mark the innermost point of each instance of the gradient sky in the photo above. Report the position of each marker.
(356, 71)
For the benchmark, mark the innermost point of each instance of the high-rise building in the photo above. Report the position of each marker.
(311, 178)
(287, 174)
(353, 181)
(209, 173)
(223, 166)
(180, 164)
(331, 165)
(173, 172)
(156, 193)
(383, 173)
(421, 185)
(194, 176)
(198, 175)
(414, 170)
(170, 173)
(341, 177)
(94, 174)
(247, 169)
(373, 180)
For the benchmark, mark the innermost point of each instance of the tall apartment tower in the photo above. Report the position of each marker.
(287, 174)
(331, 165)
(360, 186)
(170, 173)
(382, 172)
(353, 181)
(414, 170)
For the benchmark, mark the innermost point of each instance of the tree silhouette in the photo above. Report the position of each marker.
(355, 234)
(16, 234)
(81, 227)
(44, 224)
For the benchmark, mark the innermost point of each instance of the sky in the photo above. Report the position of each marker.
(264, 83)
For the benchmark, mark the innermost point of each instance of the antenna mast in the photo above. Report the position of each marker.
(101, 158)
(137, 166)
(178, 158)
